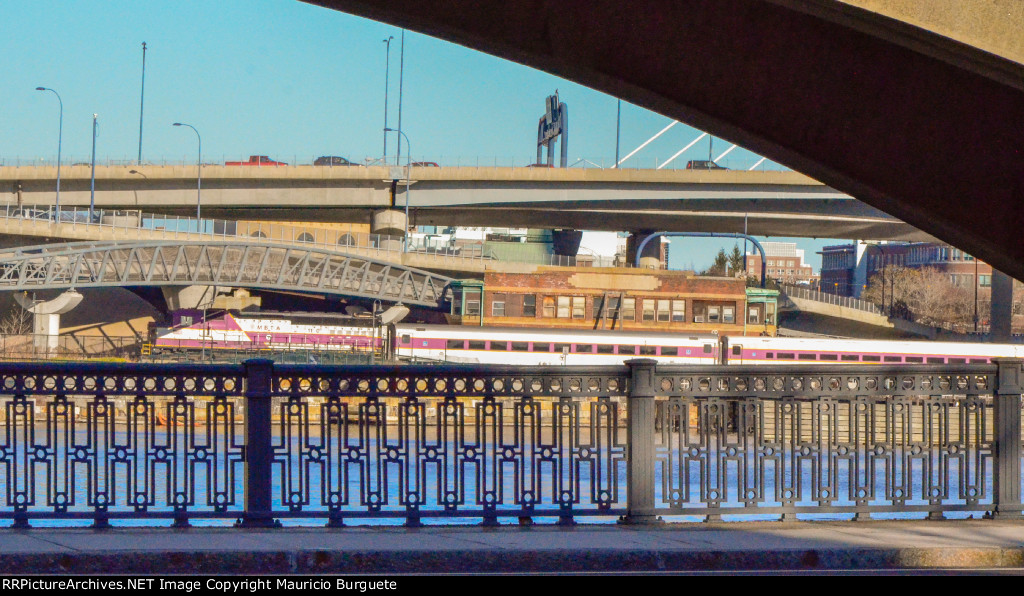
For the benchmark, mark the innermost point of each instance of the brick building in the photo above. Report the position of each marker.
(615, 298)
(785, 264)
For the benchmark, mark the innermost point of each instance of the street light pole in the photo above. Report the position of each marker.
(199, 176)
(387, 61)
(142, 101)
(408, 175)
(401, 76)
(92, 179)
(60, 135)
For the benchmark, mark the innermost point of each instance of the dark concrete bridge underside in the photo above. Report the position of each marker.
(928, 129)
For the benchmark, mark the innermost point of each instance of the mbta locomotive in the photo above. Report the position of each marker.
(532, 346)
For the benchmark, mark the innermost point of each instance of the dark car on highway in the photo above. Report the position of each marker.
(333, 160)
(703, 164)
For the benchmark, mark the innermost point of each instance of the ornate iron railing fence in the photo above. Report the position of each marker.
(260, 442)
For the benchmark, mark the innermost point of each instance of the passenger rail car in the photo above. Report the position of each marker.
(522, 346)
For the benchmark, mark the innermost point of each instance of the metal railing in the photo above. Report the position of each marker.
(260, 442)
(826, 298)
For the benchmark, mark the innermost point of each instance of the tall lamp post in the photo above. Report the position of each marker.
(199, 176)
(408, 174)
(387, 60)
(60, 134)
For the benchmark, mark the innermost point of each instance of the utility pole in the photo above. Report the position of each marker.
(142, 102)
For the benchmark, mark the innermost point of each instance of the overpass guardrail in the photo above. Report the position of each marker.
(265, 443)
(826, 298)
(80, 222)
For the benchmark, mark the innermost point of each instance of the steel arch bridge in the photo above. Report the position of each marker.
(255, 265)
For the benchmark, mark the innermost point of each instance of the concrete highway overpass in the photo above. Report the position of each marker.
(915, 108)
(773, 203)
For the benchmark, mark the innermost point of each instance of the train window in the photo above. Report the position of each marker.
(541, 347)
(669, 350)
(828, 357)
(936, 360)
(455, 344)
(806, 356)
(708, 349)
(627, 350)
(789, 356)
(498, 345)
(975, 360)
(957, 361)
(605, 349)
(585, 348)
(769, 354)
(871, 358)
(477, 345)
(894, 359)
(737, 350)
(520, 346)
(563, 348)
(850, 357)
(406, 338)
(648, 350)
(914, 359)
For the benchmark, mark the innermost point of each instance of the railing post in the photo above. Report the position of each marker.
(1006, 437)
(640, 444)
(259, 452)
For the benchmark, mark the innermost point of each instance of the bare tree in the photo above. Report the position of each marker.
(16, 321)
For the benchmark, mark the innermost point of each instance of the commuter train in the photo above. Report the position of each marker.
(534, 346)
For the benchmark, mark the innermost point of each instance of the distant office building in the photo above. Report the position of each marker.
(847, 268)
(785, 264)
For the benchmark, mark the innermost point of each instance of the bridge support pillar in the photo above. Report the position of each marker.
(1002, 307)
(46, 318)
(566, 243)
(651, 259)
(190, 297)
(391, 225)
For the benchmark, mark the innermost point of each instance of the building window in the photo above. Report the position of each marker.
(473, 305)
(648, 310)
(754, 315)
(563, 307)
(530, 305)
(729, 314)
(664, 314)
(714, 314)
(678, 311)
(305, 237)
(549, 306)
(629, 309)
(498, 305)
(985, 281)
(579, 307)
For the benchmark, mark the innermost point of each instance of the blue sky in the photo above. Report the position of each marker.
(292, 81)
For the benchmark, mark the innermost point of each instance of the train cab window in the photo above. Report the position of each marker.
(806, 356)
(828, 357)
(585, 348)
(648, 350)
(894, 359)
(563, 348)
(708, 348)
(605, 349)
(455, 344)
(406, 338)
(498, 345)
(627, 350)
(850, 358)
(520, 346)
(914, 359)
(871, 358)
(477, 345)
(936, 360)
